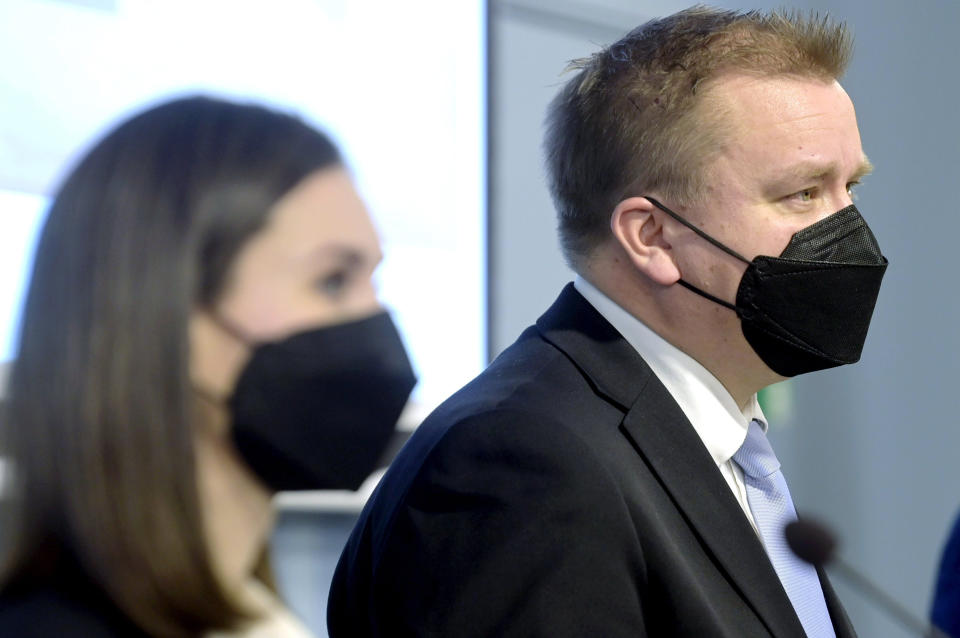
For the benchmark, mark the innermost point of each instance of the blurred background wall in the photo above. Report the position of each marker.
(395, 84)
(871, 448)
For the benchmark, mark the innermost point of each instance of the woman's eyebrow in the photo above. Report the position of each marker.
(346, 254)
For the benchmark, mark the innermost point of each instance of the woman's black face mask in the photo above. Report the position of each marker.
(316, 410)
(810, 308)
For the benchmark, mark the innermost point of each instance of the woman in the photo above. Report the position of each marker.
(201, 330)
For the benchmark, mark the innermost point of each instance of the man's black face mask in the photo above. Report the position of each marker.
(809, 308)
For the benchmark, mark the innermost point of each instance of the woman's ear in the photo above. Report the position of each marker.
(638, 227)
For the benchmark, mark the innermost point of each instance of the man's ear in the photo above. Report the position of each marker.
(638, 227)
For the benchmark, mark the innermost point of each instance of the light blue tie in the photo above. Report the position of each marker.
(772, 509)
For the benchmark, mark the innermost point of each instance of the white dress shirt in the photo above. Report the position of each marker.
(719, 422)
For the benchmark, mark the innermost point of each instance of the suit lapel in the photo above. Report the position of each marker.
(663, 436)
(838, 615)
(660, 432)
(614, 368)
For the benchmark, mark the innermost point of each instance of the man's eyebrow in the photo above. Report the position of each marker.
(813, 171)
(865, 168)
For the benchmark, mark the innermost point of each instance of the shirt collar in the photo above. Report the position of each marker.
(714, 414)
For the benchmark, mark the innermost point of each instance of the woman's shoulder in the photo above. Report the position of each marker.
(275, 619)
(45, 611)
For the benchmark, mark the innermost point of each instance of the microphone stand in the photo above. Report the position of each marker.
(885, 601)
(814, 543)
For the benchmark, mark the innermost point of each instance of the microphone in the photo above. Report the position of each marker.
(815, 544)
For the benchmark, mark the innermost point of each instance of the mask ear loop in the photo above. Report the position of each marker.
(707, 295)
(702, 234)
(708, 238)
(231, 329)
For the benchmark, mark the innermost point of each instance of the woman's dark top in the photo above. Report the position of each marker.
(65, 604)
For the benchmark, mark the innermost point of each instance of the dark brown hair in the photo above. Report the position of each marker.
(634, 119)
(99, 420)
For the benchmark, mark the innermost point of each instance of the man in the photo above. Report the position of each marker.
(609, 475)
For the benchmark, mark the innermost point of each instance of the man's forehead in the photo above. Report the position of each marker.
(744, 99)
(785, 120)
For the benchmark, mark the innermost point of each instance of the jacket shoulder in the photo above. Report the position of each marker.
(507, 500)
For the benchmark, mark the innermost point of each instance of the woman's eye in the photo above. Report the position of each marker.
(333, 284)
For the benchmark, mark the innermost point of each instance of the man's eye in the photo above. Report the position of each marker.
(805, 195)
(852, 188)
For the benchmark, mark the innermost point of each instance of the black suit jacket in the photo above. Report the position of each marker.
(561, 493)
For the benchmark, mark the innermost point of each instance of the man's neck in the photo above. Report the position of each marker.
(709, 335)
